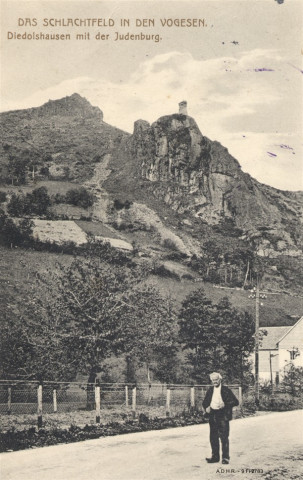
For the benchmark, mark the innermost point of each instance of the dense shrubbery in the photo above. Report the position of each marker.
(15, 234)
(38, 201)
(290, 268)
(231, 262)
(35, 203)
(133, 226)
(15, 440)
(176, 256)
(160, 269)
(170, 244)
(293, 380)
(44, 171)
(79, 197)
(280, 402)
(120, 204)
(279, 398)
(2, 197)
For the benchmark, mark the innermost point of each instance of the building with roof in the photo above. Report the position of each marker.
(280, 348)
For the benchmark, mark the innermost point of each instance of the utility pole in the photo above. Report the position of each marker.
(270, 367)
(256, 294)
(271, 355)
(257, 325)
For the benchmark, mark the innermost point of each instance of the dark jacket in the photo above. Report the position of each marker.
(229, 399)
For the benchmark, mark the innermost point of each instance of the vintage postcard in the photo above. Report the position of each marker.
(151, 239)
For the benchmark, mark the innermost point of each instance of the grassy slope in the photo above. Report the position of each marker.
(52, 186)
(96, 228)
(18, 268)
(275, 310)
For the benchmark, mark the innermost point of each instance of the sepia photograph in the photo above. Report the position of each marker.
(151, 240)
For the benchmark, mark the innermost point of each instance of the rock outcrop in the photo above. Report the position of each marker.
(198, 177)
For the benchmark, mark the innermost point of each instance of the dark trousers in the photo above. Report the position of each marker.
(219, 429)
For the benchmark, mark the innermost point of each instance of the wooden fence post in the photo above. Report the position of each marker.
(134, 401)
(126, 396)
(9, 400)
(98, 402)
(192, 398)
(168, 402)
(55, 400)
(240, 398)
(39, 394)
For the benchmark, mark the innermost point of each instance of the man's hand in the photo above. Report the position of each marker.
(208, 410)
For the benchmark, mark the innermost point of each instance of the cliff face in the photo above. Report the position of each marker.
(198, 177)
(197, 173)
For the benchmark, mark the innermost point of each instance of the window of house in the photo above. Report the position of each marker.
(294, 353)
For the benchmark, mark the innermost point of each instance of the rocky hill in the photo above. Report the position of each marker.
(166, 179)
(67, 136)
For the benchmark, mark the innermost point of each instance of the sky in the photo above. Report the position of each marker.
(241, 74)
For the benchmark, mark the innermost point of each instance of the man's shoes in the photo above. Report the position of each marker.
(212, 460)
(225, 461)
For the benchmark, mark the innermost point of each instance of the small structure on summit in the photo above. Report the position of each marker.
(183, 107)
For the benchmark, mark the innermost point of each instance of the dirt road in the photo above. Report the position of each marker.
(264, 447)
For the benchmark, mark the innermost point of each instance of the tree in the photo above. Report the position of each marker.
(199, 334)
(15, 206)
(15, 233)
(37, 202)
(79, 197)
(238, 343)
(34, 203)
(16, 353)
(82, 316)
(293, 380)
(72, 321)
(17, 168)
(44, 171)
(29, 349)
(218, 337)
(149, 329)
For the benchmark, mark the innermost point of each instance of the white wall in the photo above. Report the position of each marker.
(293, 340)
(264, 364)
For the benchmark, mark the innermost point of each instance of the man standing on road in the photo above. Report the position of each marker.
(218, 403)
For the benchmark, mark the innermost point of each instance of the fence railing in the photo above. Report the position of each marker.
(20, 397)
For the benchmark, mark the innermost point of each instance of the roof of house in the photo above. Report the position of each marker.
(287, 332)
(274, 335)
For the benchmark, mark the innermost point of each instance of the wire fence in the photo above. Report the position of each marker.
(82, 403)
